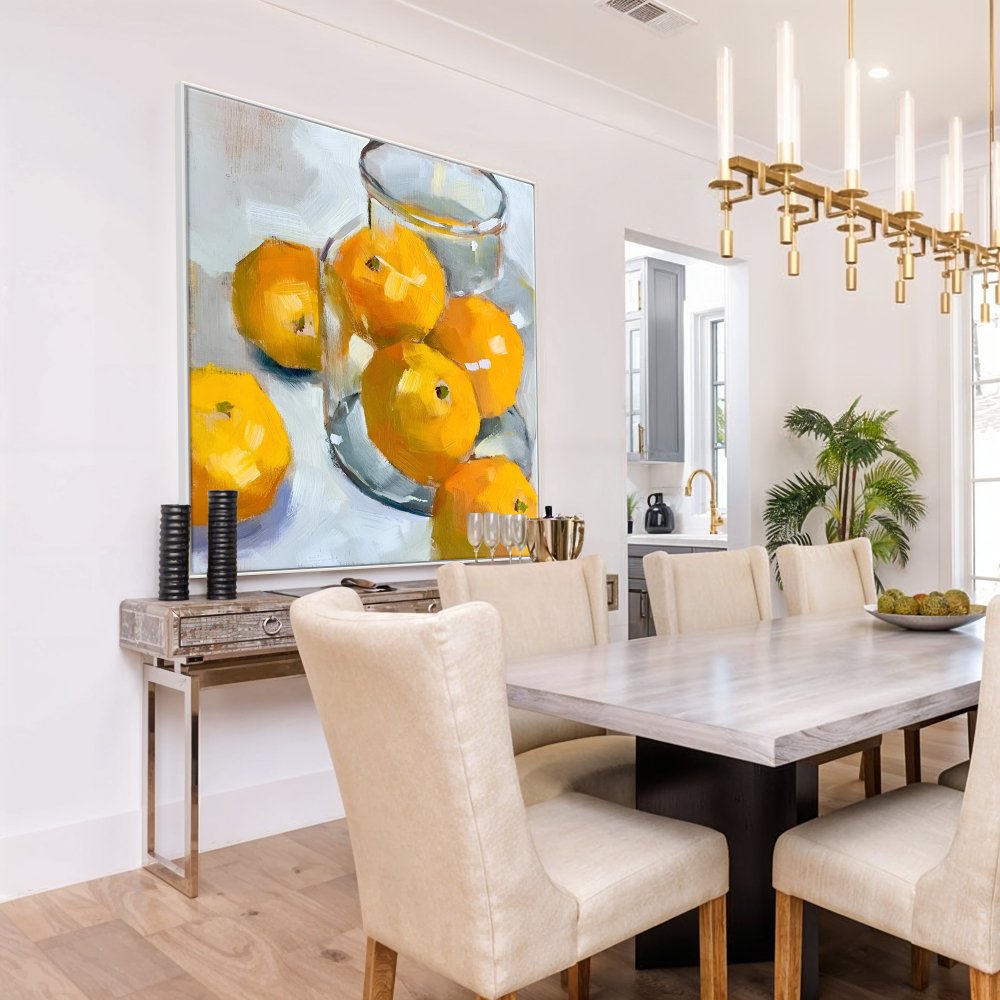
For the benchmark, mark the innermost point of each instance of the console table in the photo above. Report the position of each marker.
(188, 646)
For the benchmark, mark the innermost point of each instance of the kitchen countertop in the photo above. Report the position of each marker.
(695, 541)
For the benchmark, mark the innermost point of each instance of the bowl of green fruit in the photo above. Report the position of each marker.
(934, 612)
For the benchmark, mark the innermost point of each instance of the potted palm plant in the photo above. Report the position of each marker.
(864, 483)
(631, 504)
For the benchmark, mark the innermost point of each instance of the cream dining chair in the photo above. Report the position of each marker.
(921, 863)
(547, 607)
(453, 869)
(819, 579)
(710, 590)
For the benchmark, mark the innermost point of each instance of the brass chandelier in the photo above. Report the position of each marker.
(804, 202)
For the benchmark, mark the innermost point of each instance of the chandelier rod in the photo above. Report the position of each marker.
(850, 27)
(992, 167)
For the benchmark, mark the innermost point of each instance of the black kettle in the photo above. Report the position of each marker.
(659, 517)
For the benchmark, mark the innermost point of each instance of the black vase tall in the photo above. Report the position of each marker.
(175, 549)
(222, 545)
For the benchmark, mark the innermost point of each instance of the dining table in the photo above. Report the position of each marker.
(731, 725)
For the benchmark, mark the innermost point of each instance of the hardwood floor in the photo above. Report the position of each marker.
(279, 919)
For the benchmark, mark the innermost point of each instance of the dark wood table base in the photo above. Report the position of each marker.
(752, 804)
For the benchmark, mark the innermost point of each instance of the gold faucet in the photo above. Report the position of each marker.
(716, 520)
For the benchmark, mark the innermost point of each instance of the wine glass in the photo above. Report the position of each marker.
(520, 534)
(491, 533)
(474, 532)
(507, 535)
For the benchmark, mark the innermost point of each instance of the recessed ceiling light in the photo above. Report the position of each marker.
(878, 72)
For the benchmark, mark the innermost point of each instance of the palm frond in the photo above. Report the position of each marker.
(887, 486)
(890, 542)
(789, 504)
(803, 422)
(904, 456)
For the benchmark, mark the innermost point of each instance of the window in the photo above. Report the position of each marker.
(985, 460)
(717, 335)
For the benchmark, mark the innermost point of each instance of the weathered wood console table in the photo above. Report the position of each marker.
(188, 646)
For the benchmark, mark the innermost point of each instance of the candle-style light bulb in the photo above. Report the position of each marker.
(852, 125)
(785, 93)
(957, 174)
(907, 155)
(724, 110)
(899, 199)
(796, 123)
(946, 192)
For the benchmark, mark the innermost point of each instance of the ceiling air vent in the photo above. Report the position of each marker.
(650, 14)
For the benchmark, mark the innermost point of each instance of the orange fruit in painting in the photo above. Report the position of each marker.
(478, 486)
(238, 442)
(276, 302)
(420, 410)
(392, 283)
(480, 337)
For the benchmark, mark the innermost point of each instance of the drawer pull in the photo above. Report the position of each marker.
(433, 607)
(271, 625)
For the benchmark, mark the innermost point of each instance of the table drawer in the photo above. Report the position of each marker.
(259, 627)
(423, 605)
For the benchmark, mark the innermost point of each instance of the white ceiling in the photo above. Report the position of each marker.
(943, 60)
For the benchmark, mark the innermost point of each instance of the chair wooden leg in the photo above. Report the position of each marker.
(712, 949)
(920, 967)
(911, 750)
(578, 980)
(380, 971)
(970, 721)
(787, 947)
(871, 771)
(983, 985)
(564, 979)
(946, 963)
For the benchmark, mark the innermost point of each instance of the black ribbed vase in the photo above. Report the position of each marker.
(221, 545)
(175, 549)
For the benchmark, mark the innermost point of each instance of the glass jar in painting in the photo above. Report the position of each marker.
(424, 294)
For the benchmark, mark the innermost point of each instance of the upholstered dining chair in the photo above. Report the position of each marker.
(547, 607)
(955, 777)
(820, 579)
(921, 863)
(710, 590)
(453, 869)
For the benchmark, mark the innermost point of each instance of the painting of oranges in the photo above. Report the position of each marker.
(361, 340)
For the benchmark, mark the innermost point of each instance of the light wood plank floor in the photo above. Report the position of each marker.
(279, 919)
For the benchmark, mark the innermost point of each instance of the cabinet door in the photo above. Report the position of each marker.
(640, 621)
(664, 316)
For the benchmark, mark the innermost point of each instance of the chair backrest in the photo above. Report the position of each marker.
(447, 870)
(544, 607)
(708, 590)
(819, 579)
(957, 904)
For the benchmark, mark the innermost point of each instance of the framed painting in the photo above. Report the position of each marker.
(361, 340)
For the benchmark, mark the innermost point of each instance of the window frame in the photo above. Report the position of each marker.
(702, 374)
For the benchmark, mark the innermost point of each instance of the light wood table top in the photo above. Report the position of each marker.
(772, 693)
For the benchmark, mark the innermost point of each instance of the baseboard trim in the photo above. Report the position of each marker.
(78, 852)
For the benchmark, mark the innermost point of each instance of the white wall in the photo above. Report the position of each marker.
(89, 371)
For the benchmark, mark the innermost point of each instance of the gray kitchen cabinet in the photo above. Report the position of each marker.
(654, 363)
(640, 620)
